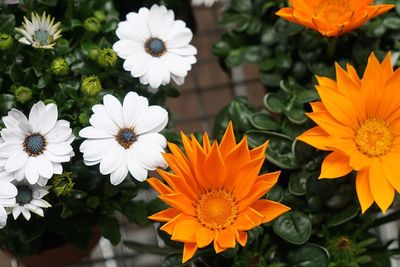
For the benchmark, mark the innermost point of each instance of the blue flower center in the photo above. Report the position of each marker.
(25, 194)
(34, 144)
(126, 137)
(155, 47)
(41, 37)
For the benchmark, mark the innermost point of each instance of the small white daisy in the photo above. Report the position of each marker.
(34, 148)
(125, 137)
(29, 199)
(41, 32)
(7, 199)
(207, 3)
(155, 46)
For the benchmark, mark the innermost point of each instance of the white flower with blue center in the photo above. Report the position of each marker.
(33, 148)
(125, 138)
(29, 199)
(155, 46)
(8, 192)
(40, 31)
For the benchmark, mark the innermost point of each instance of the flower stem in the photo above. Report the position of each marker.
(386, 219)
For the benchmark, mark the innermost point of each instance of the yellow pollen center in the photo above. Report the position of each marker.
(216, 209)
(374, 138)
(332, 10)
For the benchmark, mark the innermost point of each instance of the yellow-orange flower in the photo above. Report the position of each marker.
(332, 17)
(214, 193)
(359, 120)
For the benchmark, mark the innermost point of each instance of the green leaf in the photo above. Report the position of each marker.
(268, 64)
(234, 58)
(221, 48)
(252, 54)
(173, 260)
(392, 23)
(110, 229)
(279, 150)
(271, 79)
(7, 23)
(294, 227)
(298, 182)
(263, 121)
(6, 103)
(274, 103)
(275, 194)
(342, 217)
(242, 6)
(136, 212)
(308, 255)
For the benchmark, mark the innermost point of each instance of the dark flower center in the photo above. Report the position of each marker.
(34, 144)
(155, 47)
(25, 194)
(126, 137)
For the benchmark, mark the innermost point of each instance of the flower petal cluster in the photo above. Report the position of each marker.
(155, 46)
(207, 3)
(125, 137)
(359, 121)
(8, 192)
(332, 17)
(33, 148)
(40, 31)
(214, 193)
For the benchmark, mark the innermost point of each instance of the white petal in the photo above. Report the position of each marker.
(3, 217)
(7, 190)
(57, 168)
(138, 63)
(102, 120)
(180, 39)
(92, 132)
(39, 193)
(114, 109)
(154, 120)
(36, 115)
(26, 213)
(188, 50)
(40, 203)
(56, 158)
(153, 138)
(96, 149)
(156, 20)
(133, 106)
(31, 173)
(58, 134)
(119, 174)
(36, 210)
(112, 159)
(16, 212)
(49, 119)
(60, 149)
(9, 148)
(150, 155)
(137, 171)
(16, 161)
(10, 135)
(154, 73)
(44, 166)
(124, 48)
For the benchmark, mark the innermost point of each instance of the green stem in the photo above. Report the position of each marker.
(149, 248)
(332, 43)
(386, 219)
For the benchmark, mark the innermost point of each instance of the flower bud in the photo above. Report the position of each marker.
(107, 58)
(84, 118)
(23, 94)
(62, 184)
(92, 24)
(6, 41)
(91, 85)
(100, 15)
(59, 67)
(94, 53)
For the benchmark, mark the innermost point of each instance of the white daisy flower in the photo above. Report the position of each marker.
(155, 46)
(41, 32)
(29, 199)
(125, 137)
(207, 3)
(7, 198)
(34, 148)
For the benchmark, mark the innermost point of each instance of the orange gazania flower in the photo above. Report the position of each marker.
(359, 120)
(332, 17)
(214, 193)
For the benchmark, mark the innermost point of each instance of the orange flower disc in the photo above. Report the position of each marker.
(332, 17)
(214, 193)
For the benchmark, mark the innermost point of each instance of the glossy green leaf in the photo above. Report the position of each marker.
(308, 255)
(293, 226)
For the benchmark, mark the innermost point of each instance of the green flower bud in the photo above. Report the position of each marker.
(23, 94)
(59, 67)
(6, 41)
(100, 15)
(62, 184)
(84, 118)
(91, 85)
(14, 88)
(107, 58)
(92, 24)
(49, 101)
(94, 53)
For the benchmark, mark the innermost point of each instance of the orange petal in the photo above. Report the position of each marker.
(185, 230)
(228, 141)
(351, 71)
(179, 201)
(169, 227)
(204, 237)
(256, 217)
(244, 178)
(335, 165)
(180, 183)
(315, 137)
(327, 82)
(269, 209)
(364, 190)
(330, 125)
(215, 170)
(243, 222)
(206, 143)
(217, 247)
(259, 151)
(165, 215)
(226, 238)
(159, 186)
(258, 190)
(391, 168)
(189, 249)
(381, 189)
(241, 237)
(318, 106)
